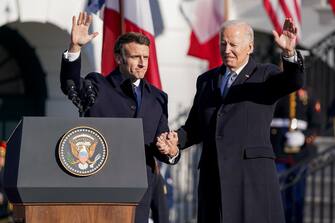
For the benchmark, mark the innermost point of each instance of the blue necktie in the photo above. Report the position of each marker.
(231, 79)
(227, 82)
(224, 84)
(138, 96)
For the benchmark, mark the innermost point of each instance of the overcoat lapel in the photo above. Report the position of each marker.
(245, 74)
(147, 100)
(215, 85)
(121, 84)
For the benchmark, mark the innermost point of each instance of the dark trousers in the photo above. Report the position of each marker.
(159, 205)
(293, 198)
(154, 198)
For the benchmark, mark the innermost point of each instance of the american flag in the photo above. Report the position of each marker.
(278, 10)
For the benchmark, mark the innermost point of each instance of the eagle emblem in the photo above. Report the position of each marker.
(83, 151)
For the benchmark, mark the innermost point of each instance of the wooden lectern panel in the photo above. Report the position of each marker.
(74, 213)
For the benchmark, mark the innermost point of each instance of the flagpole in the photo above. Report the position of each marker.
(226, 10)
(123, 27)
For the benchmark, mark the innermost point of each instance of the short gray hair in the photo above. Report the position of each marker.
(249, 31)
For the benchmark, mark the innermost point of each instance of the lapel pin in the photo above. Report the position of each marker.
(247, 76)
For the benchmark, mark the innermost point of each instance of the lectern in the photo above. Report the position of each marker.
(57, 172)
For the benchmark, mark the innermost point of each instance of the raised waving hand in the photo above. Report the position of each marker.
(287, 40)
(80, 31)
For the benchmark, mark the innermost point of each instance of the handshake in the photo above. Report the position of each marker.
(167, 143)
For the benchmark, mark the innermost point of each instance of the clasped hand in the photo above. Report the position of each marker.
(167, 143)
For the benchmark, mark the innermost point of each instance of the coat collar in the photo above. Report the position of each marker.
(119, 80)
(123, 85)
(246, 72)
(244, 75)
(216, 77)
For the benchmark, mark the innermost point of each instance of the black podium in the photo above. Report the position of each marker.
(42, 190)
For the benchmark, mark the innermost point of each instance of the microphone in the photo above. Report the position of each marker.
(73, 94)
(90, 93)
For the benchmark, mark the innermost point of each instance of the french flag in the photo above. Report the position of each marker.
(137, 18)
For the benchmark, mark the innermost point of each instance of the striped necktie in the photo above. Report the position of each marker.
(227, 82)
(231, 79)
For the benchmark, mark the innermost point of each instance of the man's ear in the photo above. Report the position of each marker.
(251, 48)
(118, 59)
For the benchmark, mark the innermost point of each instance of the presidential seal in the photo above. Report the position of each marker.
(83, 151)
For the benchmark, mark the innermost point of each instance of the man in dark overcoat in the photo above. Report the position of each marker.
(122, 93)
(231, 116)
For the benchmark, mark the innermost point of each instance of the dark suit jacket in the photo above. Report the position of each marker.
(238, 180)
(115, 98)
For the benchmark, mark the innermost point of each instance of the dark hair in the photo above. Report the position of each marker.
(130, 37)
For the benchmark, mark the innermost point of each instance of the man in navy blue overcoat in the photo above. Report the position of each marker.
(123, 93)
(231, 116)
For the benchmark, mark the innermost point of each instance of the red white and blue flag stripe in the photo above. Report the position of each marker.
(278, 10)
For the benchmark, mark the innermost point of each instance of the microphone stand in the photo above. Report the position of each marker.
(73, 96)
(89, 96)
